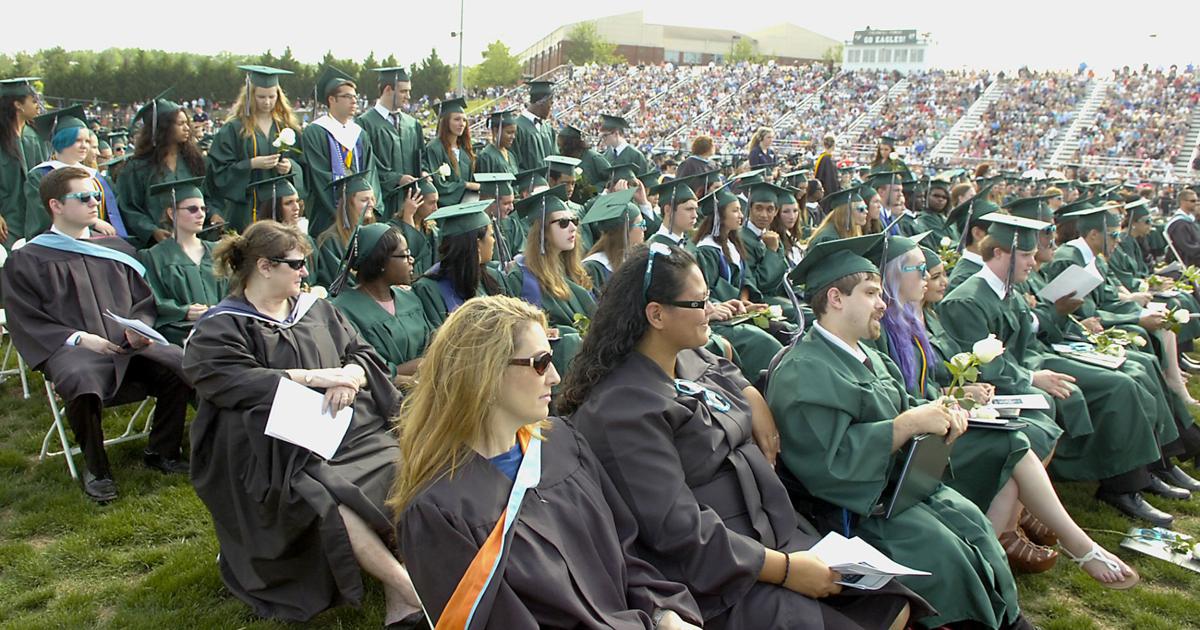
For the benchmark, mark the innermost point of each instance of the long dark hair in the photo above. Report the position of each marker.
(154, 149)
(572, 147)
(619, 322)
(9, 142)
(458, 258)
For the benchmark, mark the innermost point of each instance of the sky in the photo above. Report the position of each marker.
(1039, 34)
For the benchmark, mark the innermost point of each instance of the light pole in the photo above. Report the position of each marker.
(461, 90)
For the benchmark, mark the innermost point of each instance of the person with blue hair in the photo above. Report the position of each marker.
(70, 143)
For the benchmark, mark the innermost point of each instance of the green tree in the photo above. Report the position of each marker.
(833, 55)
(499, 68)
(431, 78)
(587, 45)
(743, 50)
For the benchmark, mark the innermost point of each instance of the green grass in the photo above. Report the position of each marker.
(148, 559)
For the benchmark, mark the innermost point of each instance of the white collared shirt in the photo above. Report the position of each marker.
(620, 147)
(854, 350)
(1084, 249)
(383, 111)
(665, 231)
(972, 257)
(532, 118)
(754, 228)
(87, 233)
(997, 285)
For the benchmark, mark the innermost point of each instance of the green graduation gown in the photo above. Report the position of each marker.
(14, 171)
(320, 149)
(491, 160)
(423, 243)
(398, 148)
(398, 338)
(592, 180)
(133, 192)
(629, 155)
(330, 252)
(768, 269)
(429, 292)
(560, 312)
(1128, 265)
(835, 415)
(450, 189)
(230, 174)
(935, 224)
(533, 142)
(178, 282)
(755, 346)
(968, 265)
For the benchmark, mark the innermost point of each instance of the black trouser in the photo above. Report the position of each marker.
(1135, 480)
(166, 431)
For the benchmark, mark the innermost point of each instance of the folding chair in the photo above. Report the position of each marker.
(144, 410)
(9, 352)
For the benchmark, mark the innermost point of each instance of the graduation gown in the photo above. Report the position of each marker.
(138, 209)
(50, 294)
(432, 292)
(834, 415)
(39, 221)
(284, 547)
(599, 269)
(398, 338)
(14, 171)
(450, 189)
(755, 346)
(398, 148)
(935, 224)
(423, 243)
(1128, 264)
(330, 253)
(593, 178)
(178, 283)
(491, 160)
(230, 175)
(706, 501)
(768, 270)
(320, 148)
(533, 142)
(630, 155)
(963, 269)
(570, 558)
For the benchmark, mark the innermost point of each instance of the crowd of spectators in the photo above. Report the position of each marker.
(1022, 126)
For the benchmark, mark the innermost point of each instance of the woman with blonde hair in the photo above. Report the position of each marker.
(475, 439)
(760, 148)
(847, 218)
(294, 528)
(252, 144)
(450, 158)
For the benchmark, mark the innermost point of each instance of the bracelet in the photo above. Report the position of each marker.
(787, 568)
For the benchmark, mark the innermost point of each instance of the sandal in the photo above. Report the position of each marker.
(1098, 553)
(1024, 556)
(1036, 530)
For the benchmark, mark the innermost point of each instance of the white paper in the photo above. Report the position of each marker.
(1081, 280)
(140, 327)
(863, 566)
(296, 417)
(1021, 401)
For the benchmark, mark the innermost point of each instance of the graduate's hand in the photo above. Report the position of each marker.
(717, 312)
(338, 398)
(762, 425)
(620, 185)
(264, 162)
(104, 227)
(284, 166)
(136, 341)
(195, 311)
(325, 378)
(770, 238)
(1067, 304)
(1054, 383)
(672, 621)
(934, 418)
(216, 219)
(1092, 325)
(98, 344)
(160, 235)
(406, 179)
(980, 392)
(811, 577)
(412, 201)
(1142, 299)
(958, 423)
(3, 229)
(736, 306)
(1152, 321)
(639, 197)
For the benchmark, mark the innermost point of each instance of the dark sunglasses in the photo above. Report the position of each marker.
(94, 195)
(194, 209)
(294, 263)
(564, 222)
(540, 362)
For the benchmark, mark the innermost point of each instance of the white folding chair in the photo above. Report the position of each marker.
(144, 411)
(10, 351)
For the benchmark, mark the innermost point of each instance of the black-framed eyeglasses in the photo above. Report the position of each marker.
(565, 221)
(350, 96)
(194, 209)
(295, 263)
(93, 195)
(405, 254)
(687, 303)
(540, 362)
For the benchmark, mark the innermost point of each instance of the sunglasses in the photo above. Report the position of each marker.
(94, 195)
(294, 263)
(564, 222)
(921, 267)
(540, 362)
(711, 398)
(194, 209)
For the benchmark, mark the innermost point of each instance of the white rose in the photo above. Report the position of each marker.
(1196, 551)
(319, 291)
(961, 361)
(1139, 341)
(985, 413)
(776, 310)
(1183, 316)
(946, 242)
(287, 136)
(988, 349)
(444, 170)
(578, 171)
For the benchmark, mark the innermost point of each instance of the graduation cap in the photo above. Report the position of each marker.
(610, 122)
(49, 123)
(157, 106)
(940, 184)
(171, 192)
(20, 86)
(456, 105)
(273, 188)
(461, 218)
(392, 74)
(676, 191)
(350, 185)
(540, 90)
(966, 214)
(650, 179)
(1034, 208)
(764, 192)
(748, 178)
(328, 80)
(115, 160)
(879, 179)
(495, 185)
(710, 206)
(618, 172)
(888, 138)
(1138, 209)
(502, 117)
(892, 247)
(614, 211)
(830, 261)
(546, 202)
(562, 164)
(788, 197)
(570, 131)
(423, 185)
(1017, 234)
(1096, 218)
(531, 179)
(260, 76)
(932, 259)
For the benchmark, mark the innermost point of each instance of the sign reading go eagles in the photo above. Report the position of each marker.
(871, 37)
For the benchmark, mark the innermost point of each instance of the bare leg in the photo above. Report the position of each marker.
(376, 559)
(901, 620)
(1176, 381)
(1004, 510)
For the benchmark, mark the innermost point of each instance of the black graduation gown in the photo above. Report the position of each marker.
(49, 294)
(706, 501)
(569, 560)
(284, 547)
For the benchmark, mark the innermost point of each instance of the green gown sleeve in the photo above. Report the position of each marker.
(229, 166)
(450, 189)
(329, 261)
(172, 308)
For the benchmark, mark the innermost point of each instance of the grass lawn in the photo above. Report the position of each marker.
(148, 560)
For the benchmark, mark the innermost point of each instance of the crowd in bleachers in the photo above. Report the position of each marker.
(928, 108)
(1022, 125)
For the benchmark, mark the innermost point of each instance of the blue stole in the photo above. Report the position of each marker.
(64, 243)
(531, 290)
(337, 158)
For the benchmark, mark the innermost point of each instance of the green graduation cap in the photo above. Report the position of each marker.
(748, 178)
(618, 172)
(456, 105)
(966, 214)
(170, 192)
(116, 160)
(888, 138)
(613, 211)
(462, 218)
(424, 186)
(329, 80)
(676, 191)
(1006, 227)
(609, 122)
(788, 197)
(1034, 208)
(272, 188)
(562, 164)
(49, 123)
(844, 196)
(1064, 212)
(20, 86)
(540, 90)
(392, 74)
(347, 186)
(1097, 218)
(1138, 209)
(502, 118)
(764, 192)
(940, 184)
(931, 258)
(152, 110)
(117, 135)
(368, 239)
(830, 261)
(893, 247)
(531, 179)
(710, 203)
(103, 144)
(885, 178)
(551, 200)
(650, 179)
(570, 131)
(263, 76)
(493, 185)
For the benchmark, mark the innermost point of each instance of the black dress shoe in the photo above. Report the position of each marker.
(1161, 488)
(165, 465)
(1132, 504)
(99, 489)
(1189, 365)
(1174, 476)
(415, 621)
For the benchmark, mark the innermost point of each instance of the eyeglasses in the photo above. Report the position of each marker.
(294, 263)
(405, 254)
(350, 96)
(640, 224)
(565, 221)
(656, 249)
(687, 303)
(1114, 235)
(93, 195)
(194, 209)
(711, 398)
(540, 362)
(921, 267)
